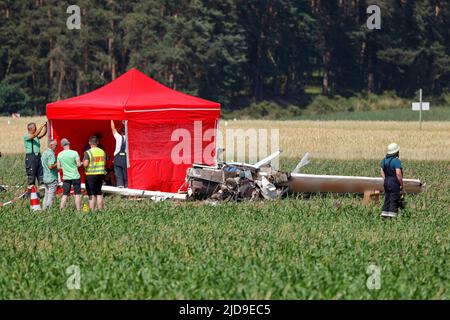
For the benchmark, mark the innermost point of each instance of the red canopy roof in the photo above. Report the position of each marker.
(132, 92)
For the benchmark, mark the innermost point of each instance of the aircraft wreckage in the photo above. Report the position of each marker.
(235, 181)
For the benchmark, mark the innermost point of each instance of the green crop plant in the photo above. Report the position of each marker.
(303, 247)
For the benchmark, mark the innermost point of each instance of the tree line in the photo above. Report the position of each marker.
(230, 51)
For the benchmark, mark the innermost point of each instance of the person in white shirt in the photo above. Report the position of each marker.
(120, 157)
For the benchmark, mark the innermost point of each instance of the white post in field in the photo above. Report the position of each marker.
(420, 106)
(420, 112)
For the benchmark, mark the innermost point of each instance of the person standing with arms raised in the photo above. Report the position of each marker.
(32, 144)
(120, 157)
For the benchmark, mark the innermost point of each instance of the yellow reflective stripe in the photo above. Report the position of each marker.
(96, 161)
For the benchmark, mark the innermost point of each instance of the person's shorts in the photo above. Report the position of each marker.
(33, 168)
(94, 185)
(67, 184)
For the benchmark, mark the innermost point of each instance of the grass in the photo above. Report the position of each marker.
(384, 107)
(316, 248)
(313, 90)
(400, 114)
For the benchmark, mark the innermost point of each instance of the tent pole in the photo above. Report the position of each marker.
(49, 130)
(126, 143)
(216, 158)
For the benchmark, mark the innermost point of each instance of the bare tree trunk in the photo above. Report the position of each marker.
(50, 72)
(86, 57)
(287, 82)
(258, 93)
(327, 74)
(370, 71)
(437, 8)
(9, 66)
(50, 76)
(112, 63)
(370, 82)
(61, 79)
(78, 86)
(33, 87)
(85, 53)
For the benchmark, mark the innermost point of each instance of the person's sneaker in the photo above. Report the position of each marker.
(386, 214)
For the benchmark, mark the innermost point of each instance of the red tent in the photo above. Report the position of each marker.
(167, 130)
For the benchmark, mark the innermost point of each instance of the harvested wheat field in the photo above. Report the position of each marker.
(12, 131)
(344, 140)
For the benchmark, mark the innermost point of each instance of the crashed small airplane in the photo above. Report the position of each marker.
(242, 181)
(237, 181)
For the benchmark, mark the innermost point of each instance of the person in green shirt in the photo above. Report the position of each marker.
(50, 176)
(33, 165)
(69, 162)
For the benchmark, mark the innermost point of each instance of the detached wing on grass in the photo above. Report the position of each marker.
(311, 183)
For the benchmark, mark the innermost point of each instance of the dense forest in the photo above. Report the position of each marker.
(231, 51)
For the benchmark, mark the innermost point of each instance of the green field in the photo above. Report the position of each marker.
(403, 114)
(318, 247)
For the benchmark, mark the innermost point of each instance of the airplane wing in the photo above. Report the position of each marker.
(310, 183)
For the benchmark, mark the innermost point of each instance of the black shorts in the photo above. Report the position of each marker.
(94, 185)
(67, 184)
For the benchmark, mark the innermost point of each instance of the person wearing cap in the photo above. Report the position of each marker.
(69, 162)
(120, 157)
(94, 163)
(392, 173)
(50, 173)
(32, 144)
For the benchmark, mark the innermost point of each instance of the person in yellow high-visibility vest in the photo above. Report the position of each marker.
(94, 164)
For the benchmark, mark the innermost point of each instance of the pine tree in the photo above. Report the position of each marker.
(231, 51)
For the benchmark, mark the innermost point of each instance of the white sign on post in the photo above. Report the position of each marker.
(416, 106)
(420, 106)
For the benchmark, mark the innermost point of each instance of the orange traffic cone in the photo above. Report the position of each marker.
(34, 200)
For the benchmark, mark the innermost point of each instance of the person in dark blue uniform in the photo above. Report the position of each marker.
(392, 173)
